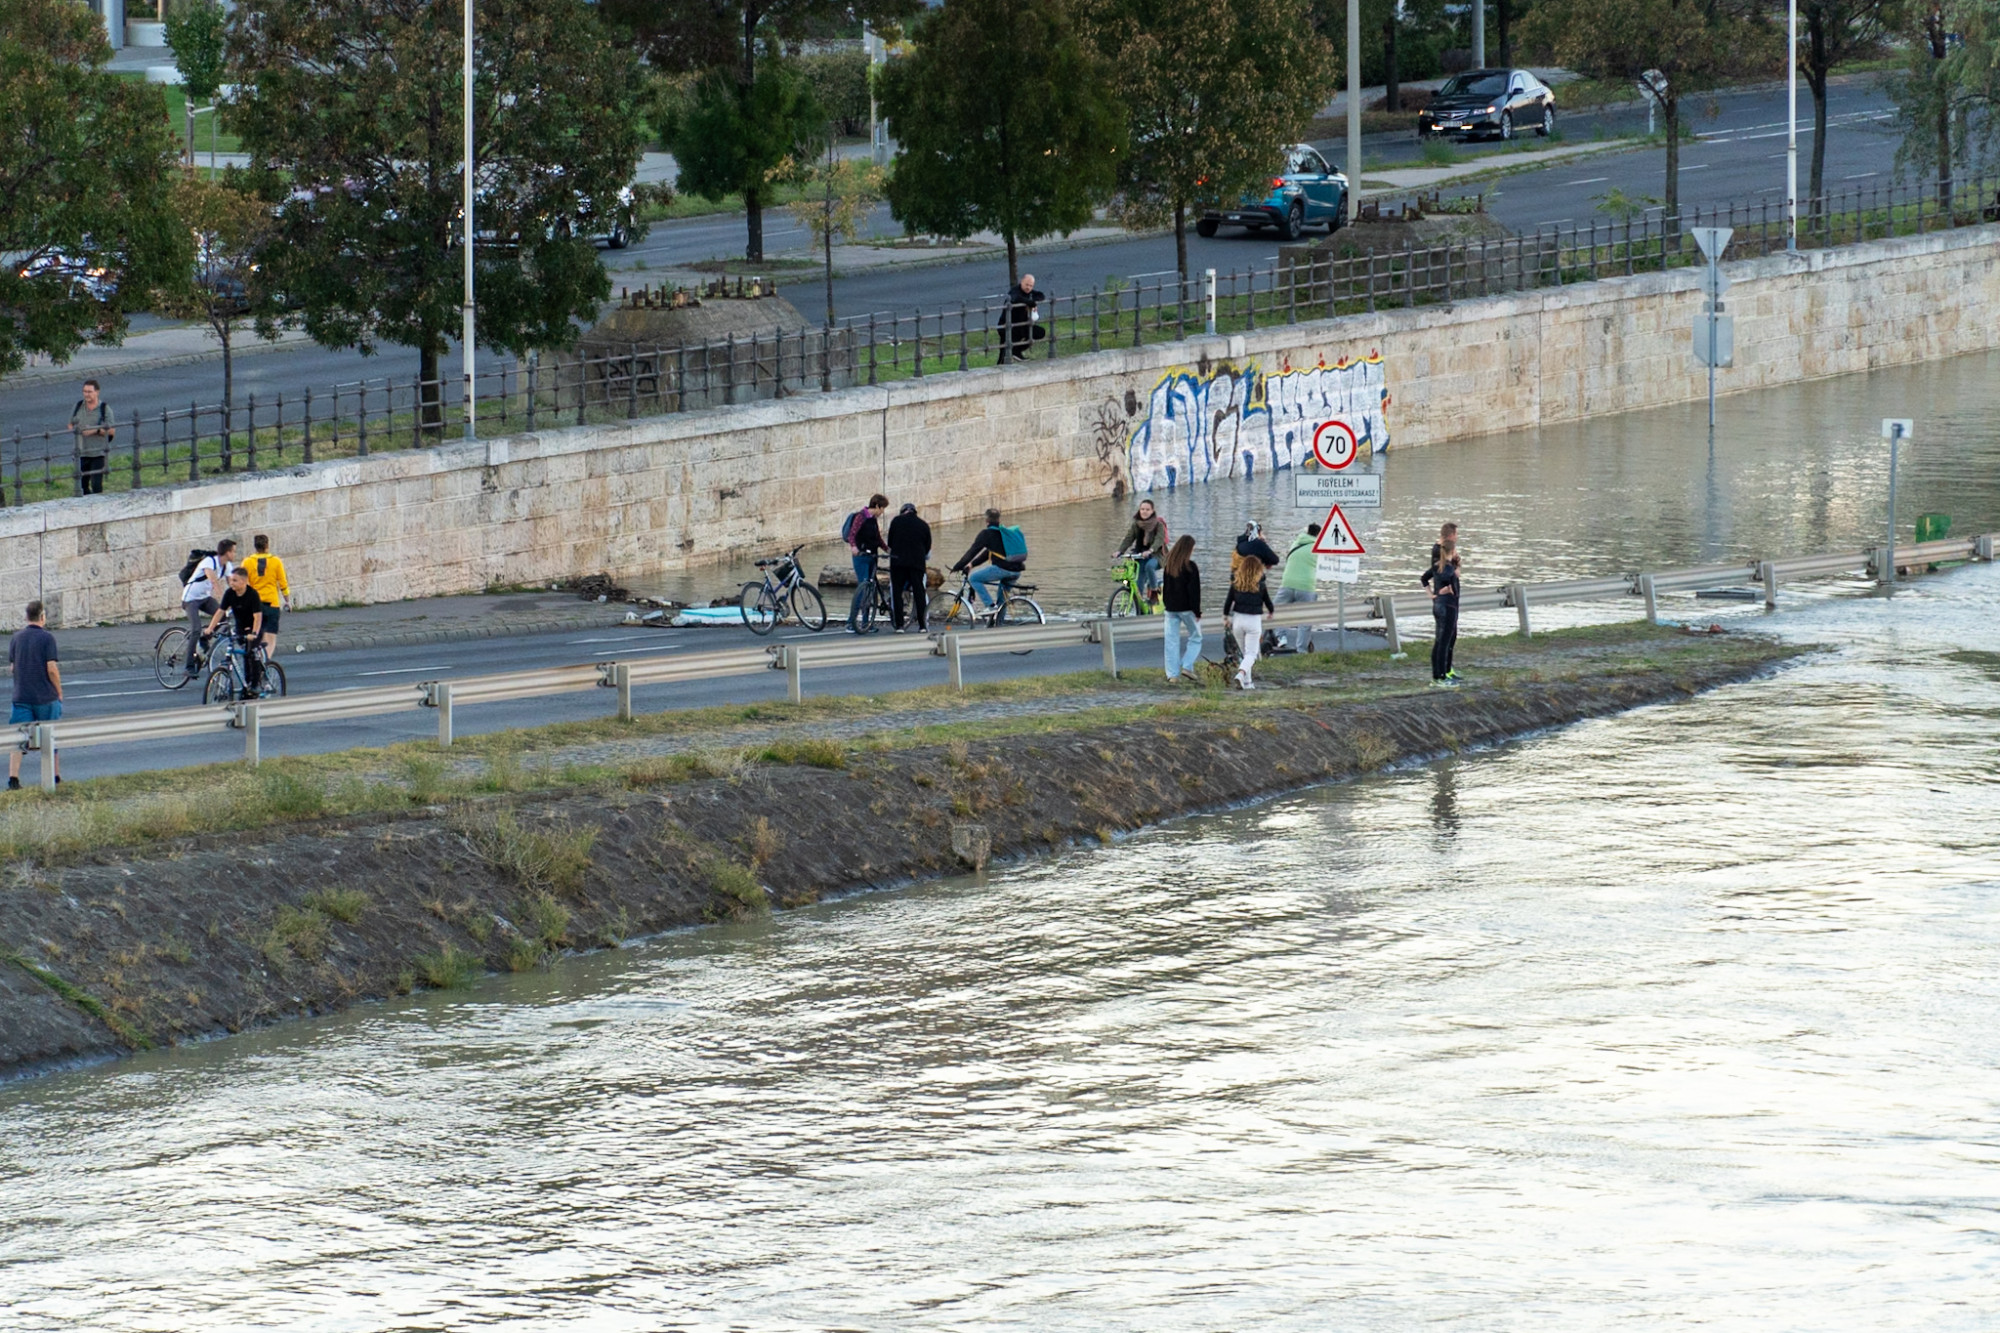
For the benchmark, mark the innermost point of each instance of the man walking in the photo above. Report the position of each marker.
(909, 558)
(863, 534)
(37, 688)
(1021, 319)
(1300, 583)
(268, 581)
(94, 426)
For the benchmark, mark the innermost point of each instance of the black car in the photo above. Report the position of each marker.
(1489, 101)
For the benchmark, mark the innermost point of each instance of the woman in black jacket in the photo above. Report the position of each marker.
(1244, 610)
(1180, 598)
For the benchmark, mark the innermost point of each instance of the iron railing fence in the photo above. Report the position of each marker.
(609, 383)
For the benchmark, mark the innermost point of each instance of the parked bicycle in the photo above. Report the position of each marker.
(782, 591)
(177, 657)
(228, 683)
(955, 610)
(1127, 598)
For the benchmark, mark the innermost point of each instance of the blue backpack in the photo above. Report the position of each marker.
(1013, 544)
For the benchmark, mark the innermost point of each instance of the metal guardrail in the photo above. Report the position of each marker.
(1385, 609)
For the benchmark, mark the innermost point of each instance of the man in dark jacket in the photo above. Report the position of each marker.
(989, 549)
(1020, 319)
(909, 557)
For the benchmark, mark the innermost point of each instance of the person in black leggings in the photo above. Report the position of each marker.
(1442, 579)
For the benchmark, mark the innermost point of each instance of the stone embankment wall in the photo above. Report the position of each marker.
(672, 492)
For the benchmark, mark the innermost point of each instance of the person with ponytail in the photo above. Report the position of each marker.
(1245, 607)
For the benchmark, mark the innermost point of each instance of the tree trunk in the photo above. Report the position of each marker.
(1816, 191)
(223, 329)
(753, 197)
(1934, 37)
(1670, 115)
(1501, 14)
(827, 240)
(753, 213)
(1180, 240)
(187, 105)
(1013, 262)
(427, 387)
(1393, 94)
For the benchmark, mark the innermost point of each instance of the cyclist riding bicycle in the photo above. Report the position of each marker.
(242, 604)
(1146, 541)
(998, 555)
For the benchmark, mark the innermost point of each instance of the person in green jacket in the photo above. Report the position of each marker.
(1299, 584)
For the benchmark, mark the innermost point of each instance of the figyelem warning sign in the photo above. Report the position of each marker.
(1336, 536)
(1356, 490)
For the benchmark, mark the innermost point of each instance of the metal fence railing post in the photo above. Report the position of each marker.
(135, 450)
(194, 442)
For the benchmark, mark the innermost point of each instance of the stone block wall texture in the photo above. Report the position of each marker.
(671, 492)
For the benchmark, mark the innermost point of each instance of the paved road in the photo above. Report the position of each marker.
(1739, 156)
(99, 693)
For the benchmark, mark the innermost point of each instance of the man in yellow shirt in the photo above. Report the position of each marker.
(267, 579)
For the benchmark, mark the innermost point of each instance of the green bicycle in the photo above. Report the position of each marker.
(1127, 598)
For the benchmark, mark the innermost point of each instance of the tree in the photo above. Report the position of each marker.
(1953, 70)
(350, 112)
(700, 36)
(195, 36)
(1670, 47)
(85, 165)
(729, 137)
(1005, 121)
(230, 227)
(1836, 31)
(848, 190)
(1212, 96)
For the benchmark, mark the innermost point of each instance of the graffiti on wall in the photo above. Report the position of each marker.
(1234, 419)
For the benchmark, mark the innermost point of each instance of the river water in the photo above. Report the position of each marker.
(1685, 1017)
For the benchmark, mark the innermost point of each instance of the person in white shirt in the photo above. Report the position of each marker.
(201, 598)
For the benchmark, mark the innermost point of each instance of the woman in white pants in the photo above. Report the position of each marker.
(1244, 609)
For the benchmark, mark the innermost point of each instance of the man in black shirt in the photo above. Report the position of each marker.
(909, 557)
(243, 604)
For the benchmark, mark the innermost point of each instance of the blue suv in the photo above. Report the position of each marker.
(1309, 193)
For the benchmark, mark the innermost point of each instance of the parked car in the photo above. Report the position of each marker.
(86, 281)
(1309, 193)
(1493, 102)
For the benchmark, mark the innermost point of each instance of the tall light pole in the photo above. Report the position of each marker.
(1479, 34)
(465, 334)
(1792, 126)
(1353, 110)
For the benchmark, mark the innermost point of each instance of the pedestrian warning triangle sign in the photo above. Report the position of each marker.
(1336, 536)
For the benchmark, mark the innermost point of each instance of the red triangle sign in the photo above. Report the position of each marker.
(1336, 536)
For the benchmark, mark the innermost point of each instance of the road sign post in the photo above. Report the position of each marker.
(1895, 430)
(1714, 332)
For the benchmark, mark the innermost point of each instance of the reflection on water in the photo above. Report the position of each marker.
(1687, 1017)
(1794, 470)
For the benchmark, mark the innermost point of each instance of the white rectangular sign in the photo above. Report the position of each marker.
(1897, 428)
(1339, 569)
(1724, 351)
(1349, 490)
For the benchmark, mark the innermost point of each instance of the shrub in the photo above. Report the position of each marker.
(300, 930)
(338, 904)
(734, 881)
(555, 859)
(450, 968)
(542, 919)
(293, 795)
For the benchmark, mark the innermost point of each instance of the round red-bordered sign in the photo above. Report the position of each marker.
(1338, 452)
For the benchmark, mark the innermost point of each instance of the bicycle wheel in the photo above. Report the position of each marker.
(869, 618)
(760, 611)
(221, 687)
(170, 657)
(274, 681)
(1018, 610)
(1122, 603)
(950, 614)
(808, 607)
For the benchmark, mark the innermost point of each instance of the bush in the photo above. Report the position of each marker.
(293, 795)
(734, 881)
(299, 930)
(451, 968)
(556, 859)
(338, 904)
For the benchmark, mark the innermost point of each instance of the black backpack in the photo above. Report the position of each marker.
(195, 557)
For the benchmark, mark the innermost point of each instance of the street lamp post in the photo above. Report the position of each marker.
(1792, 126)
(1353, 110)
(1479, 34)
(465, 333)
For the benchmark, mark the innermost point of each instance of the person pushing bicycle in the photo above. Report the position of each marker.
(243, 604)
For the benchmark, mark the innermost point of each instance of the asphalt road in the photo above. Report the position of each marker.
(1740, 156)
(100, 693)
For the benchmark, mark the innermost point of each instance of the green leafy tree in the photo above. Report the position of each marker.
(1835, 31)
(85, 168)
(729, 137)
(195, 35)
(225, 289)
(1005, 120)
(1212, 96)
(1948, 93)
(350, 111)
(700, 37)
(835, 200)
(1673, 48)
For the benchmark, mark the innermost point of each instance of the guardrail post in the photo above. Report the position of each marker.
(1387, 602)
(45, 741)
(1517, 593)
(795, 686)
(955, 661)
(621, 680)
(1108, 637)
(1982, 548)
(1768, 571)
(253, 733)
(1883, 560)
(1652, 599)
(441, 700)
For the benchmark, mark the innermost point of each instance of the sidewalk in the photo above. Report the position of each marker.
(424, 620)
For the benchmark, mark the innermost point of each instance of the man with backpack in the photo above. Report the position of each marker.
(863, 534)
(94, 426)
(203, 579)
(997, 554)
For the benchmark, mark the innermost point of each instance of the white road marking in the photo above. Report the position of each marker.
(109, 694)
(1699, 166)
(1589, 180)
(1861, 175)
(400, 671)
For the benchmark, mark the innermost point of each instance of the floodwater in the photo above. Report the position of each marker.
(1794, 471)
(1688, 1017)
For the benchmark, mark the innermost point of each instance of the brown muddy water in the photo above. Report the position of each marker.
(1687, 1017)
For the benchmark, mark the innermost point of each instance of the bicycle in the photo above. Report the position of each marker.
(172, 664)
(228, 683)
(955, 610)
(1126, 598)
(782, 589)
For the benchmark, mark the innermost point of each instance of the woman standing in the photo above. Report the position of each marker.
(1246, 605)
(1443, 581)
(1180, 598)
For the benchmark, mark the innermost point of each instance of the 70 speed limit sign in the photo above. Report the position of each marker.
(1335, 444)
